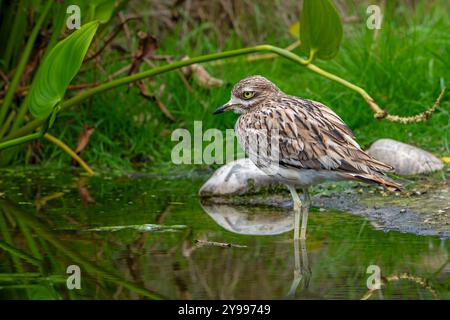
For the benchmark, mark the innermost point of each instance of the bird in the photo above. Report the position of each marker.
(299, 142)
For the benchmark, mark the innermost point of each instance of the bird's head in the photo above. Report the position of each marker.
(249, 93)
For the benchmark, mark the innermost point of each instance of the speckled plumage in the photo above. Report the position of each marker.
(311, 137)
(312, 143)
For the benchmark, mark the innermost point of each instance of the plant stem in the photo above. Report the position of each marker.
(7, 123)
(31, 277)
(23, 61)
(19, 253)
(375, 108)
(29, 127)
(15, 30)
(379, 113)
(20, 140)
(312, 55)
(70, 152)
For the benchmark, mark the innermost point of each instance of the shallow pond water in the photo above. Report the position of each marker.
(151, 237)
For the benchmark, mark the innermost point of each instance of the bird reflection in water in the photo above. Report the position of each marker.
(248, 221)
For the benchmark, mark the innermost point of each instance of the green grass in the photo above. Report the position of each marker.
(403, 69)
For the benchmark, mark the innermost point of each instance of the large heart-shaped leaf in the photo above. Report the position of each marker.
(321, 30)
(58, 69)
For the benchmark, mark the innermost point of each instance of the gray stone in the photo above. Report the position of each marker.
(406, 159)
(236, 178)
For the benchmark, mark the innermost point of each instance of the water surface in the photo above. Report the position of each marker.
(151, 237)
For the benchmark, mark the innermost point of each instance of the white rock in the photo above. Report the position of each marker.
(405, 159)
(234, 178)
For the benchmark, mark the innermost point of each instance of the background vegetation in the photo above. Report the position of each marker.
(403, 66)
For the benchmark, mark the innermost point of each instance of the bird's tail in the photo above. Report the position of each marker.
(376, 178)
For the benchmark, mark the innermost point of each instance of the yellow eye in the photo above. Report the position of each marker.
(248, 94)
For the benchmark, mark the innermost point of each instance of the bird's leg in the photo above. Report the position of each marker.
(302, 271)
(305, 210)
(306, 270)
(297, 209)
(297, 270)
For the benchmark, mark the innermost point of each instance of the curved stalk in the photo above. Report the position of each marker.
(70, 152)
(379, 113)
(312, 55)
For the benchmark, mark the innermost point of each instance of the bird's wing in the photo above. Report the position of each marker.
(312, 136)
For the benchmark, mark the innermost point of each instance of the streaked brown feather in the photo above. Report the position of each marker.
(312, 136)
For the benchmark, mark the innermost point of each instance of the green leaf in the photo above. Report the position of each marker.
(104, 10)
(58, 69)
(321, 31)
(101, 10)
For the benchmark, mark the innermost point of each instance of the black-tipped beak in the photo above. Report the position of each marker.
(222, 109)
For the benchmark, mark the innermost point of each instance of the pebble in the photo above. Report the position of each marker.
(404, 158)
